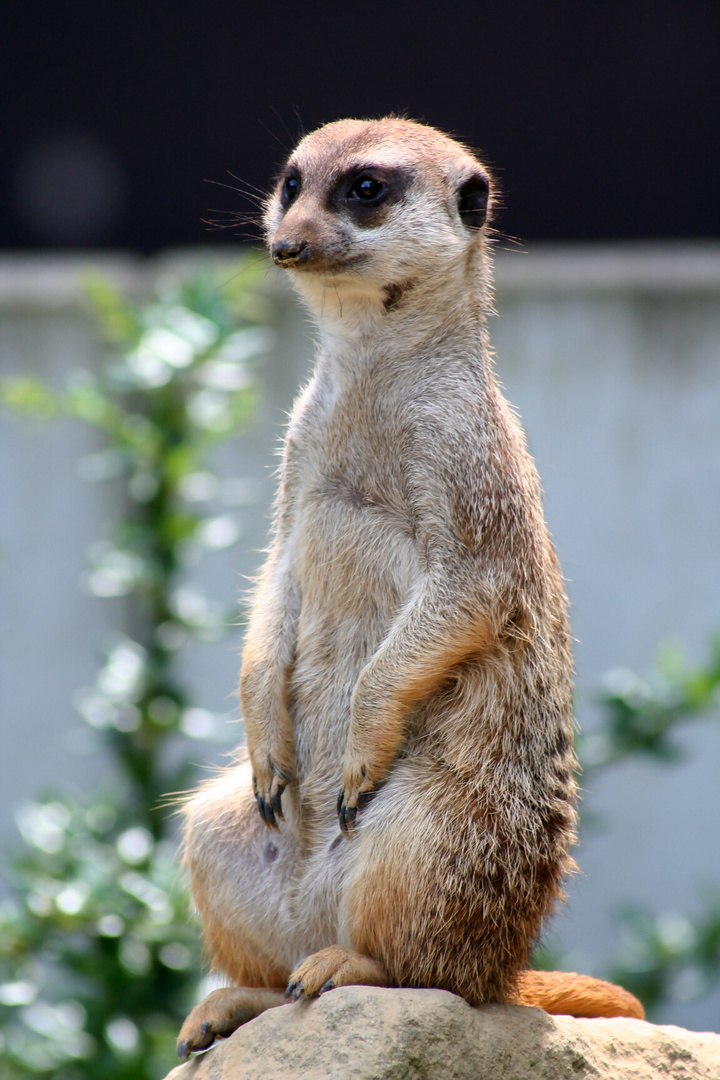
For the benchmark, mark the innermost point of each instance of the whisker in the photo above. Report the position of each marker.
(232, 219)
(236, 215)
(293, 138)
(261, 191)
(229, 210)
(254, 259)
(501, 239)
(296, 110)
(273, 134)
(232, 187)
(218, 226)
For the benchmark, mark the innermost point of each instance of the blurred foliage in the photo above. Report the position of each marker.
(99, 957)
(640, 716)
(669, 956)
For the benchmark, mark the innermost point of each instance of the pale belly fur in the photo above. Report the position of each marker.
(356, 565)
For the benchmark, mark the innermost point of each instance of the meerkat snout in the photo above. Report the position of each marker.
(289, 252)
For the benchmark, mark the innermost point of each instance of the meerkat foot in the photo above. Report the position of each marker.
(221, 1013)
(333, 967)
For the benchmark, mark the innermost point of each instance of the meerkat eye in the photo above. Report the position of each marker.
(291, 188)
(367, 189)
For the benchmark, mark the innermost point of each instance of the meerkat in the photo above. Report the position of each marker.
(404, 812)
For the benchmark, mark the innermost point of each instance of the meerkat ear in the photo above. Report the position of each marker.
(472, 198)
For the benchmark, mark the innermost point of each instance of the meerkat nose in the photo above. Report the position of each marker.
(290, 252)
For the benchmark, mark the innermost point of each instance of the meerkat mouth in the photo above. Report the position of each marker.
(311, 261)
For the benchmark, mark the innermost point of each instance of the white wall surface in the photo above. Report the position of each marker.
(612, 356)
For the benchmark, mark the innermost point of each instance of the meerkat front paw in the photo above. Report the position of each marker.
(357, 790)
(269, 783)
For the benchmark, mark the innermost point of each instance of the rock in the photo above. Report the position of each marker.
(368, 1033)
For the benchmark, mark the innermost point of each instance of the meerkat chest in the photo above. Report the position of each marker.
(355, 534)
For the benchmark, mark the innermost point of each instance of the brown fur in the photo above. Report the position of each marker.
(408, 636)
(566, 993)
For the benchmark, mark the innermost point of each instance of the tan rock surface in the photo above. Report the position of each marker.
(367, 1033)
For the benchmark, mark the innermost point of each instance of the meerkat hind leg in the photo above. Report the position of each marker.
(332, 967)
(221, 1013)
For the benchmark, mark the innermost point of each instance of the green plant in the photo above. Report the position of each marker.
(640, 716)
(99, 958)
(671, 956)
(668, 955)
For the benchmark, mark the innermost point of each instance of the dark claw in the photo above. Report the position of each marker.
(276, 803)
(328, 985)
(182, 1050)
(260, 806)
(271, 808)
(364, 798)
(349, 815)
(294, 991)
(207, 1036)
(346, 815)
(269, 816)
(267, 812)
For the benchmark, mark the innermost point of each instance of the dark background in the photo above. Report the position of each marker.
(602, 120)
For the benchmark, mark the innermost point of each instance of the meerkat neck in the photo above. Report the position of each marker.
(400, 318)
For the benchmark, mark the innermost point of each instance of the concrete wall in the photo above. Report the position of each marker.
(612, 356)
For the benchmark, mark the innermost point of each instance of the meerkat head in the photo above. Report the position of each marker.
(371, 210)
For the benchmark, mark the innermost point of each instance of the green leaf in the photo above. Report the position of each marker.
(31, 397)
(117, 318)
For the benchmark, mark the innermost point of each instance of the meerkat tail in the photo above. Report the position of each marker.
(564, 993)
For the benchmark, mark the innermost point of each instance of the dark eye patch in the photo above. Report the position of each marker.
(291, 185)
(367, 193)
